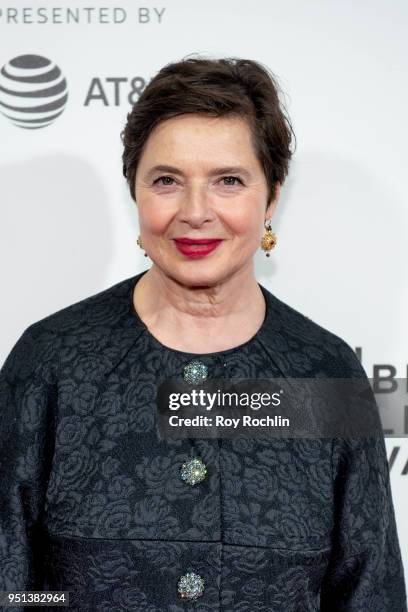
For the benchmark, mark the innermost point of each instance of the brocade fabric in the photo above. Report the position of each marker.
(91, 499)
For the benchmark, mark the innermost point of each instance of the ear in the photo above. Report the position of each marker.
(273, 203)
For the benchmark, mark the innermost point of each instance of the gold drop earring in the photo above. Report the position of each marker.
(269, 238)
(139, 242)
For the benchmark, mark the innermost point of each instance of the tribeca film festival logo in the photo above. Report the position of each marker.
(33, 91)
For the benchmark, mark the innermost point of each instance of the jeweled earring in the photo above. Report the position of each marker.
(139, 242)
(269, 239)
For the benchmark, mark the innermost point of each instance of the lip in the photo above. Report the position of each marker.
(195, 248)
(197, 240)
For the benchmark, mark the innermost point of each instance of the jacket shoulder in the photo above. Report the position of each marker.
(329, 353)
(83, 326)
(90, 311)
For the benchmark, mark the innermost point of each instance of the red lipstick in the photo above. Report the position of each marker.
(196, 247)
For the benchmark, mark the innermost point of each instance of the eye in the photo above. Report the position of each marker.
(167, 178)
(234, 178)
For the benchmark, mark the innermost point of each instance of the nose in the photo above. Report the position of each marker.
(195, 207)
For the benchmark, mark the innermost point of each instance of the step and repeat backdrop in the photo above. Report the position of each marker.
(70, 72)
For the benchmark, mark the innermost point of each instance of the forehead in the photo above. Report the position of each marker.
(192, 136)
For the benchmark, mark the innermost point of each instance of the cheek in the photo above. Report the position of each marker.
(154, 216)
(246, 222)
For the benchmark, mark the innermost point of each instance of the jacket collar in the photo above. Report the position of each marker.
(105, 326)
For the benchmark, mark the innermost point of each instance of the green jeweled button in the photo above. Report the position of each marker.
(193, 471)
(190, 586)
(195, 372)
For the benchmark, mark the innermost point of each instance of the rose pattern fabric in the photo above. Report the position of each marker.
(91, 499)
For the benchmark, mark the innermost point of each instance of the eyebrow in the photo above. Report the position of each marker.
(213, 172)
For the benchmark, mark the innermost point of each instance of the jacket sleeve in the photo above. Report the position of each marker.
(26, 448)
(365, 572)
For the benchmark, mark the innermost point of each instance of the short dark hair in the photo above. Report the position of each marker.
(215, 87)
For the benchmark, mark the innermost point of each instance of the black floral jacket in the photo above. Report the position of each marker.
(92, 501)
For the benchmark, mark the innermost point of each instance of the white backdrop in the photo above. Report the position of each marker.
(68, 227)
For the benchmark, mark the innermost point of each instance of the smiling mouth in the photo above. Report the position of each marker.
(194, 248)
(197, 241)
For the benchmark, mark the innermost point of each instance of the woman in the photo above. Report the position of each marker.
(94, 501)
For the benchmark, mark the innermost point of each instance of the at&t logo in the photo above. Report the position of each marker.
(33, 91)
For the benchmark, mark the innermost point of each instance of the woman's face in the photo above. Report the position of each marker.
(210, 185)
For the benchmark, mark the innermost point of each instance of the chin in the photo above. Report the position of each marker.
(196, 273)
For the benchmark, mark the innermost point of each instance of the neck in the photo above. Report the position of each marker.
(223, 314)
